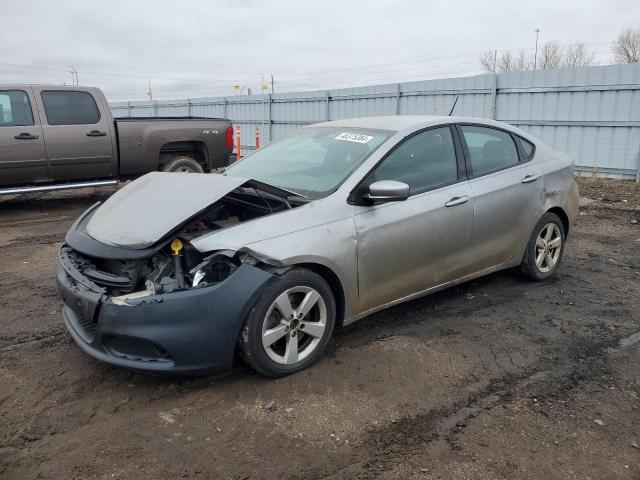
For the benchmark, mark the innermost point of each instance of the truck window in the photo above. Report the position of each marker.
(66, 107)
(15, 108)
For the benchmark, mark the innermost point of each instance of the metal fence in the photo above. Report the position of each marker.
(592, 113)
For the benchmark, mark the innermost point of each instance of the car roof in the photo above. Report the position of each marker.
(402, 122)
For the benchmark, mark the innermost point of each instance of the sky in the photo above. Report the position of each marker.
(194, 48)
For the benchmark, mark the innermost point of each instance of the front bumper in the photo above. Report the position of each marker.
(186, 332)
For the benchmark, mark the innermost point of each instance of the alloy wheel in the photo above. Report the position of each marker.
(294, 325)
(548, 247)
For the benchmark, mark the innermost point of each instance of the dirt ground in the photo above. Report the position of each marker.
(499, 378)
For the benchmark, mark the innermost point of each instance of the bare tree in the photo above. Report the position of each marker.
(523, 62)
(507, 62)
(489, 61)
(627, 47)
(551, 55)
(578, 55)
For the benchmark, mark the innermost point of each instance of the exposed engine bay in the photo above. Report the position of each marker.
(177, 265)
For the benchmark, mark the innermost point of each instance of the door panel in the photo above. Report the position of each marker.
(77, 135)
(505, 213)
(22, 154)
(410, 246)
(506, 202)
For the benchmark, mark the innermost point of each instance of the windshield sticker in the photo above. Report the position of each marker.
(354, 137)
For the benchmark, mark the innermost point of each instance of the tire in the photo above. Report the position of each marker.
(536, 264)
(305, 332)
(182, 164)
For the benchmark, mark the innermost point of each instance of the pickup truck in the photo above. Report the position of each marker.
(61, 137)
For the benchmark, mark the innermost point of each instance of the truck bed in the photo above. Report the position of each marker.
(155, 119)
(142, 141)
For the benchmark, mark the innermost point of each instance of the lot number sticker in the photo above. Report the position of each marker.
(354, 137)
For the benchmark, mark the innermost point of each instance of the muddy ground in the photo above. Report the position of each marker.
(496, 379)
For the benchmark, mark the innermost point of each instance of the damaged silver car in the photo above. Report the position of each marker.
(179, 272)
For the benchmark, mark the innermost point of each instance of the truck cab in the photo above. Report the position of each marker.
(58, 137)
(63, 118)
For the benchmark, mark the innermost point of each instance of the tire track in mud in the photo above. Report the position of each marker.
(26, 222)
(14, 282)
(437, 429)
(52, 336)
(31, 240)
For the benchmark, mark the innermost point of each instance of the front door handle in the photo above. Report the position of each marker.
(96, 133)
(529, 178)
(457, 201)
(26, 136)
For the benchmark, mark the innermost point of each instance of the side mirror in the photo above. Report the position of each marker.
(387, 191)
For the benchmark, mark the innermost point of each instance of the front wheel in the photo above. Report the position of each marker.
(544, 249)
(290, 325)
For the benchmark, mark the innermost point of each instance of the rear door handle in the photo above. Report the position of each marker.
(26, 136)
(529, 178)
(96, 133)
(457, 201)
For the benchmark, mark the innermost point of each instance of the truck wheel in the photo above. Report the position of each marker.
(182, 164)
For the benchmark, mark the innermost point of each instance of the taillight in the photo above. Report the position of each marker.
(230, 138)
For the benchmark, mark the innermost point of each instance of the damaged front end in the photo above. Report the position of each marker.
(171, 263)
(166, 306)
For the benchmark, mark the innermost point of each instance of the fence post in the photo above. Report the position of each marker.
(155, 109)
(494, 96)
(270, 118)
(327, 110)
(398, 92)
(188, 107)
(129, 109)
(224, 108)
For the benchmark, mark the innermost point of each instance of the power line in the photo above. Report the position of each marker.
(329, 78)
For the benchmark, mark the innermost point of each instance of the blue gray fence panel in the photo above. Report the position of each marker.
(592, 113)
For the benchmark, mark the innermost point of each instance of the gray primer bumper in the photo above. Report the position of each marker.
(187, 332)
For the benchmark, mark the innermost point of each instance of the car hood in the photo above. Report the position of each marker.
(147, 209)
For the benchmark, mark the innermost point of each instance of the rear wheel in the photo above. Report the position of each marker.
(183, 164)
(290, 325)
(545, 248)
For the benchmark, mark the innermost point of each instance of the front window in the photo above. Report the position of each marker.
(312, 161)
(424, 162)
(15, 109)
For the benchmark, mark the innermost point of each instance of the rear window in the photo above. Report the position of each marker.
(70, 108)
(490, 149)
(15, 108)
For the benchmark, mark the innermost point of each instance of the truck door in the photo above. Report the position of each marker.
(78, 135)
(22, 154)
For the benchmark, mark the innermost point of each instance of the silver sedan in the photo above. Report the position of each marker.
(321, 228)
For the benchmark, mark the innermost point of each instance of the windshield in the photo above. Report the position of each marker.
(312, 161)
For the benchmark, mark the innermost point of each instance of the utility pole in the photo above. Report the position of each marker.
(272, 85)
(74, 75)
(535, 55)
(495, 61)
(150, 92)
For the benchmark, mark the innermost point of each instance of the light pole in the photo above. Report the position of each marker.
(74, 75)
(535, 55)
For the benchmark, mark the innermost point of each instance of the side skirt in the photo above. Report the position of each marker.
(503, 266)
